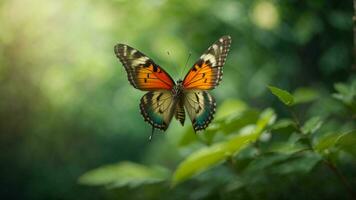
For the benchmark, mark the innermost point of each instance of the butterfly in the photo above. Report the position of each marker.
(165, 97)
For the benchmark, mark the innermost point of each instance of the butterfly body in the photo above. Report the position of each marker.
(177, 90)
(166, 98)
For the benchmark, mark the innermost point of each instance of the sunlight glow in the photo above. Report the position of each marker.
(265, 15)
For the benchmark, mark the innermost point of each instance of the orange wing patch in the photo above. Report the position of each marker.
(152, 78)
(201, 76)
(207, 72)
(142, 72)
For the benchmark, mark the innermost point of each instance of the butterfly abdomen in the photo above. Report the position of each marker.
(180, 113)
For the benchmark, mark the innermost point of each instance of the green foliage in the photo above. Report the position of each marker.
(347, 142)
(301, 164)
(336, 141)
(299, 96)
(124, 174)
(265, 144)
(66, 107)
(205, 158)
(347, 95)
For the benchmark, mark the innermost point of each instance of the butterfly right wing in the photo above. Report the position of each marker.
(207, 72)
(157, 108)
(142, 72)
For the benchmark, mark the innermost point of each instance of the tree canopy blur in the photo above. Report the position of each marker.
(285, 123)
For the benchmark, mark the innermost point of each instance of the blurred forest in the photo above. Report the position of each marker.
(70, 125)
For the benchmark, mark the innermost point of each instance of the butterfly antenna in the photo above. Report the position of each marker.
(185, 66)
(175, 69)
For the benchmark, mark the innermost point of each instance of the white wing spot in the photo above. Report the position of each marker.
(125, 50)
(215, 47)
(133, 51)
(139, 61)
(209, 57)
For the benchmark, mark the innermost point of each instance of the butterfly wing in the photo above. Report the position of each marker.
(207, 72)
(142, 72)
(157, 108)
(200, 106)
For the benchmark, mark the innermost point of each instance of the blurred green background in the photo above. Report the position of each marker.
(65, 103)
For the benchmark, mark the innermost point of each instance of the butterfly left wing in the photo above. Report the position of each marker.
(200, 106)
(142, 72)
(207, 72)
(157, 108)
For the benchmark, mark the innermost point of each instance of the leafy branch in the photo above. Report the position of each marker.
(310, 127)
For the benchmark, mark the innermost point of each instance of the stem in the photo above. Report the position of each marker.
(299, 129)
(341, 177)
(295, 118)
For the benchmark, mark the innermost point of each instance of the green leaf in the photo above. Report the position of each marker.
(262, 162)
(231, 116)
(312, 125)
(345, 141)
(197, 162)
(284, 126)
(238, 121)
(230, 107)
(124, 174)
(207, 157)
(286, 148)
(342, 88)
(267, 117)
(346, 94)
(304, 95)
(326, 142)
(303, 164)
(284, 96)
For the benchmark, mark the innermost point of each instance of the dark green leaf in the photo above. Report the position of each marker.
(284, 96)
(346, 94)
(265, 161)
(286, 148)
(304, 164)
(312, 125)
(345, 141)
(326, 142)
